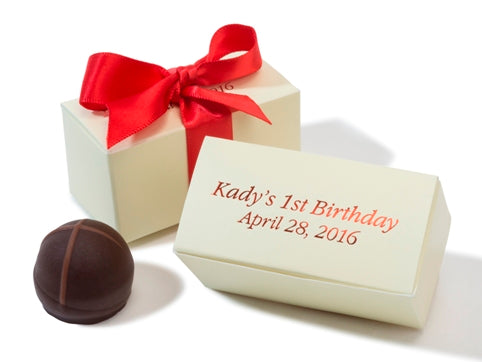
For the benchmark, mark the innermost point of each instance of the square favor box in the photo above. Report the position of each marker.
(139, 185)
(314, 231)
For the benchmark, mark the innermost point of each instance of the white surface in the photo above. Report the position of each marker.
(398, 84)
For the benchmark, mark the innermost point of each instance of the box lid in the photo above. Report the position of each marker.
(307, 215)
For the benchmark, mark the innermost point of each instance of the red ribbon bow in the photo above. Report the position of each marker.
(137, 93)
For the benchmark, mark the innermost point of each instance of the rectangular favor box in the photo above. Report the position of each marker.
(314, 231)
(139, 185)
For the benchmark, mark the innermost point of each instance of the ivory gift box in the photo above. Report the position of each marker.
(314, 231)
(138, 186)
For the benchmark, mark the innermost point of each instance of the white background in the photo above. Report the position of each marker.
(397, 83)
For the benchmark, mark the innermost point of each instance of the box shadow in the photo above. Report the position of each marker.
(337, 138)
(454, 324)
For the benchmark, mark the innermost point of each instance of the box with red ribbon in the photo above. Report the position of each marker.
(133, 136)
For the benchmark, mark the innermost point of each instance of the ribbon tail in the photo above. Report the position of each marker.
(234, 102)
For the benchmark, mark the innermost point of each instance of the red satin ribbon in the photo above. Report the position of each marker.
(137, 93)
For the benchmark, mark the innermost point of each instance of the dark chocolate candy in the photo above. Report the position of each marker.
(84, 272)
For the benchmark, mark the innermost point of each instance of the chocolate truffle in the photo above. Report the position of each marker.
(84, 272)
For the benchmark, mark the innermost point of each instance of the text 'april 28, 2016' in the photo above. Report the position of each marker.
(306, 218)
